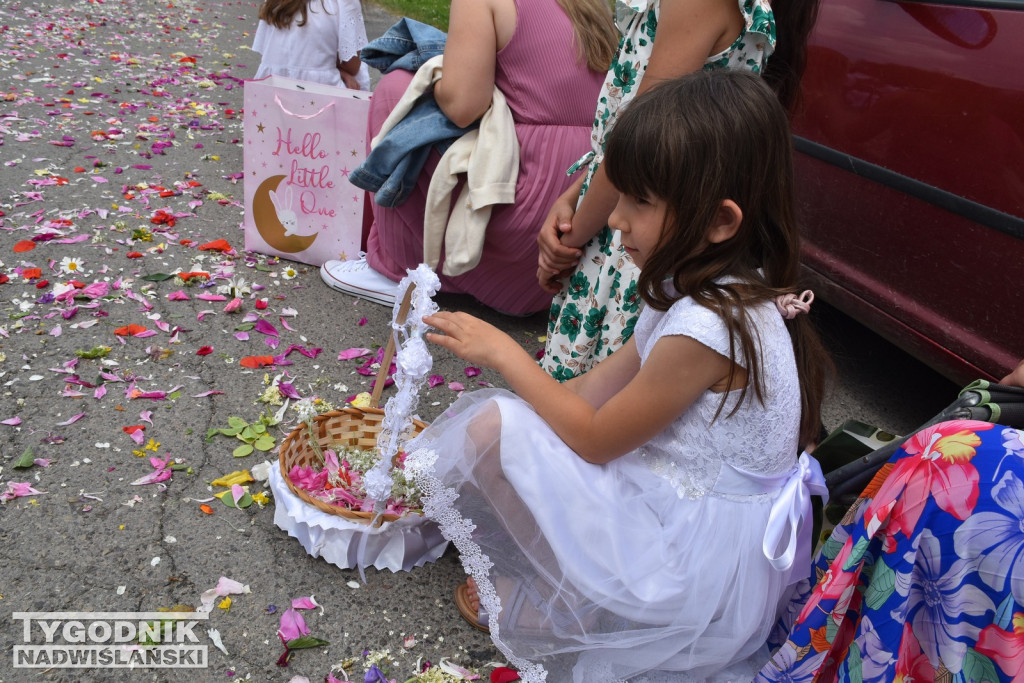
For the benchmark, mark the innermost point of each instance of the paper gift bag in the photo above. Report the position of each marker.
(302, 140)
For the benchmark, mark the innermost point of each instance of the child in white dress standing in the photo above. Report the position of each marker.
(643, 521)
(313, 40)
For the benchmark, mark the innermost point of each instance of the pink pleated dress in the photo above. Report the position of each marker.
(552, 95)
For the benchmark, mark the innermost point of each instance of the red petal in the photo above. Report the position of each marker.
(204, 351)
(256, 361)
(24, 245)
(133, 428)
(216, 245)
(503, 674)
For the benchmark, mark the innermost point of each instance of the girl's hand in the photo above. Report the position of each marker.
(554, 256)
(552, 282)
(471, 339)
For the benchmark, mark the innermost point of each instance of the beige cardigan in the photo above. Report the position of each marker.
(488, 155)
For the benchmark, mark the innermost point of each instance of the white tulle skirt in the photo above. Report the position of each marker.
(594, 573)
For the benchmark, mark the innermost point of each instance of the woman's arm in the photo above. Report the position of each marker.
(467, 81)
(601, 422)
(689, 31)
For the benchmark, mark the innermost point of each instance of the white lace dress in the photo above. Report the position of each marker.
(654, 567)
(334, 30)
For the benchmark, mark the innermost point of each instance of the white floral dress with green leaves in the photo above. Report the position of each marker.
(595, 312)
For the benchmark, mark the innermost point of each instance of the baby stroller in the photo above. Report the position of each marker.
(923, 576)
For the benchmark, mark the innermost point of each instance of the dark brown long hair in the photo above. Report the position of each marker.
(280, 13)
(694, 142)
(794, 20)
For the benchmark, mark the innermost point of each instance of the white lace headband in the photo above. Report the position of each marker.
(792, 305)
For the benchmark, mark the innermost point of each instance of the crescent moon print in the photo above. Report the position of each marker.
(275, 220)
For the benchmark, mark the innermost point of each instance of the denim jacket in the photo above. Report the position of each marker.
(394, 164)
(406, 45)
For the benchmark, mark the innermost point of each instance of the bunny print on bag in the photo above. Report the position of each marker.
(289, 221)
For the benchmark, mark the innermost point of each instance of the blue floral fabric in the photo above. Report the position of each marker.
(924, 578)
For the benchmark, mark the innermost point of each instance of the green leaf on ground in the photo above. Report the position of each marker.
(304, 642)
(25, 461)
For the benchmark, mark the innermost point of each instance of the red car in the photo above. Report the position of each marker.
(910, 170)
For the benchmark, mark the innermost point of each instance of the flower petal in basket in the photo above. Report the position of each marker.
(409, 541)
(352, 427)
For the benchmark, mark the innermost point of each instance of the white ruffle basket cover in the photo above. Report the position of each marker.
(410, 541)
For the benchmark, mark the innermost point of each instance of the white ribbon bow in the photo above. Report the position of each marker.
(781, 540)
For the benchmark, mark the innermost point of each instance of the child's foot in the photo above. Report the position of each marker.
(467, 600)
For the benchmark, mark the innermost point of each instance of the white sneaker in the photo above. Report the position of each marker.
(359, 279)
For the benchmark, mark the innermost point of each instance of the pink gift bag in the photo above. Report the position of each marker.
(301, 141)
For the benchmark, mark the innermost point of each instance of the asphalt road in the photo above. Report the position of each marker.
(118, 114)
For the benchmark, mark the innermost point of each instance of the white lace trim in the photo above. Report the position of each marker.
(413, 363)
(439, 505)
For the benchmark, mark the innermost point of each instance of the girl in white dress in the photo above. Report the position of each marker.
(313, 40)
(643, 521)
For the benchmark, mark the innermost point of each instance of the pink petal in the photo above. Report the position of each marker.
(264, 327)
(358, 352)
(138, 436)
(305, 603)
(11, 421)
(94, 290)
(292, 625)
(100, 392)
(146, 416)
(233, 305)
(471, 371)
(435, 380)
(236, 493)
(17, 489)
(207, 393)
(207, 296)
(72, 240)
(456, 386)
(203, 314)
(180, 295)
(224, 588)
(71, 420)
(242, 336)
(286, 326)
(153, 478)
(288, 390)
(146, 333)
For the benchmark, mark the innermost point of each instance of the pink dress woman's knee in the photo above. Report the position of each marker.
(552, 95)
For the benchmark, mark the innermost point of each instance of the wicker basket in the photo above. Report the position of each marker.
(353, 427)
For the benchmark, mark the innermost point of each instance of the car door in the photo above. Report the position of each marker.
(910, 167)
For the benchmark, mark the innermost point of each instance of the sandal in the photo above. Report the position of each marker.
(477, 618)
(522, 594)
